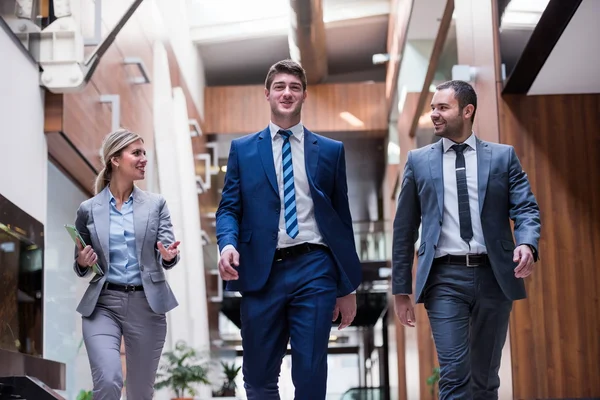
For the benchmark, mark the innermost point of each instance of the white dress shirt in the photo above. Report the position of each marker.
(450, 241)
(308, 230)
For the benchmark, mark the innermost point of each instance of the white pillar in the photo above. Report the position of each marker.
(179, 326)
(192, 244)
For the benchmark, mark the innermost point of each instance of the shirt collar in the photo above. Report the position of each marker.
(113, 200)
(297, 130)
(471, 142)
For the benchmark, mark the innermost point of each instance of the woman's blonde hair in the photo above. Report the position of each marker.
(113, 146)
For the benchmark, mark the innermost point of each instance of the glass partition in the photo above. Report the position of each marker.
(370, 240)
(21, 280)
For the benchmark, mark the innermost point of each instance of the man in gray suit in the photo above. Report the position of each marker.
(464, 191)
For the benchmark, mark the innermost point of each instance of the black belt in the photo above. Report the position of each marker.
(469, 260)
(298, 250)
(123, 288)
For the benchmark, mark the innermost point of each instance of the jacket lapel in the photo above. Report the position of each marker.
(101, 215)
(436, 154)
(140, 219)
(311, 154)
(484, 161)
(265, 149)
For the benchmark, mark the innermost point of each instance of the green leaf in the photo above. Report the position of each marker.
(181, 369)
(84, 395)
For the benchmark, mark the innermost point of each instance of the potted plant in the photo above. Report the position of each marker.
(229, 386)
(180, 370)
(433, 380)
(85, 395)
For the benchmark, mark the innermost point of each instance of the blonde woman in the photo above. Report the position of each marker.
(128, 232)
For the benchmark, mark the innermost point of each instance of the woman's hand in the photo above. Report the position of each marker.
(87, 256)
(168, 253)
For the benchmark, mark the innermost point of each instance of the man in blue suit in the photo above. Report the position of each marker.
(287, 244)
(464, 192)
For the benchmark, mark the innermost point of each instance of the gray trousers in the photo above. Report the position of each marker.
(128, 315)
(469, 314)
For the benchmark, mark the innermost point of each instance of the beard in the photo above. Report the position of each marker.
(452, 129)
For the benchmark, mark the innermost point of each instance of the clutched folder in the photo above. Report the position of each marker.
(74, 233)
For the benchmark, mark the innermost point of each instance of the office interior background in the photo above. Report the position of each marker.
(188, 76)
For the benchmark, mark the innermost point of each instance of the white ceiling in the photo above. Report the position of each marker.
(572, 67)
(425, 19)
(238, 43)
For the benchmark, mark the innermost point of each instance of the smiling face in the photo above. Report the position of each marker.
(131, 163)
(449, 119)
(286, 96)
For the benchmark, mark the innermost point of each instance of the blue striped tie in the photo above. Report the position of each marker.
(289, 193)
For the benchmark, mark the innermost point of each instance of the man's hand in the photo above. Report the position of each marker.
(86, 256)
(404, 309)
(347, 307)
(168, 253)
(524, 257)
(229, 259)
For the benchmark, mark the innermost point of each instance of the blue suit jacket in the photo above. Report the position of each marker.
(248, 214)
(504, 195)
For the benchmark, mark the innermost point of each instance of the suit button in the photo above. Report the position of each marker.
(277, 210)
(141, 267)
(440, 222)
(274, 236)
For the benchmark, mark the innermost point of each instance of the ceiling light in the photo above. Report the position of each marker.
(351, 119)
(523, 13)
(380, 58)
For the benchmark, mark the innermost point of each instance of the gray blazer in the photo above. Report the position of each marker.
(152, 223)
(504, 195)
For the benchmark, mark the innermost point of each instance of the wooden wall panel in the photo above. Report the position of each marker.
(111, 78)
(133, 41)
(71, 162)
(555, 332)
(244, 109)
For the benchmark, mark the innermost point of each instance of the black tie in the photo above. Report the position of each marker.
(464, 212)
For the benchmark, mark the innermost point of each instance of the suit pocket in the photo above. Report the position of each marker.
(507, 245)
(96, 278)
(245, 236)
(157, 276)
(421, 249)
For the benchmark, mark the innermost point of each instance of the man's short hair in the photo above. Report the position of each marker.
(463, 92)
(290, 67)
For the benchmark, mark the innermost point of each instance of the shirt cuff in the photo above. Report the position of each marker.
(170, 263)
(533, 251)
(227, 247)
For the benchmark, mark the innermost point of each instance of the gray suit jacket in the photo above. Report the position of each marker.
(504, 195)
(152, 223)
